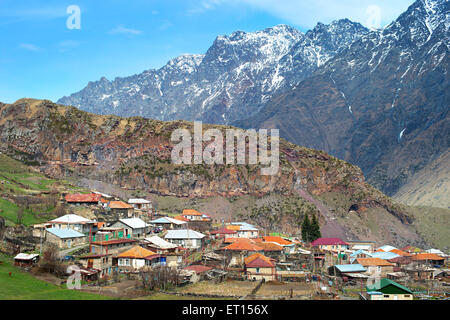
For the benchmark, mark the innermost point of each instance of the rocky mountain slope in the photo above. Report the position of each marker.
(430, 186)
(382, 103)
(232, 80)
(135, 154)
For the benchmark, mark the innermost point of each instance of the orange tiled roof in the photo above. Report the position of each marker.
(136, 252)
(426, 256)
(270, 246)
(233, 227)
(401, 252)
(379, 250)
(191, 212)
(91, 197)
(278, 240)
(119, 205)
(181, 218)
(258, 260)
(241, 244)
(373, 262)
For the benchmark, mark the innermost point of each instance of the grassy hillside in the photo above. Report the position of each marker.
(433, 224)
(22, 187)
(430, 186)
(23, 286)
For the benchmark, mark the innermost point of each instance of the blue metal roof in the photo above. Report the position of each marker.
(65, 233)
(160, 220)
(354, 254)
(385, 255)
(350, 267)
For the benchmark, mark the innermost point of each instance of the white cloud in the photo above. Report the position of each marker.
(68, 45)
(29, 47)
(121, 29)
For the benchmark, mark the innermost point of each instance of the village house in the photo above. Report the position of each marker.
(186, 238)
(375, 266)
(428, 259)
(244, 230)
(196, 220)
(272, 250)
(140, 204)
(258, 267)
(169, 223)
(119, 209)
(26, 260)
(239, 249)
(192, 215)
(331, 244)
(134, 228)
(103, 263)
(90, 199)
(172, 252)
(348, 271)
(137, 258)
(288, 246)
(65, 238)
(223, 233)
(386, 289)
(197, 272)
(159, 245)
(73, 222)
(111, 246)
(355, 245)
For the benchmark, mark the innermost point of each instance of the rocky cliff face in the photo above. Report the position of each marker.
(135, 153)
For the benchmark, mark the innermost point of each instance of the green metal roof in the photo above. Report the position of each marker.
(378, 286)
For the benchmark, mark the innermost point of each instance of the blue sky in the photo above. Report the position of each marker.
(40, 57)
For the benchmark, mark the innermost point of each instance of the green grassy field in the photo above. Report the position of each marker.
(23, 286)
(17, 179)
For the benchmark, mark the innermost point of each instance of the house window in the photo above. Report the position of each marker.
(386, 296)
(257, 270)
(406, 295)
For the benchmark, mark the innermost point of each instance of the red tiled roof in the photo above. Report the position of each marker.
(401, 260)
(198, 268)
(328, 241)
(258, 260)
(91, 197)
(223, 231)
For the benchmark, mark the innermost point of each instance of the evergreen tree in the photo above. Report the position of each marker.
(315, 229)
(306, 228)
